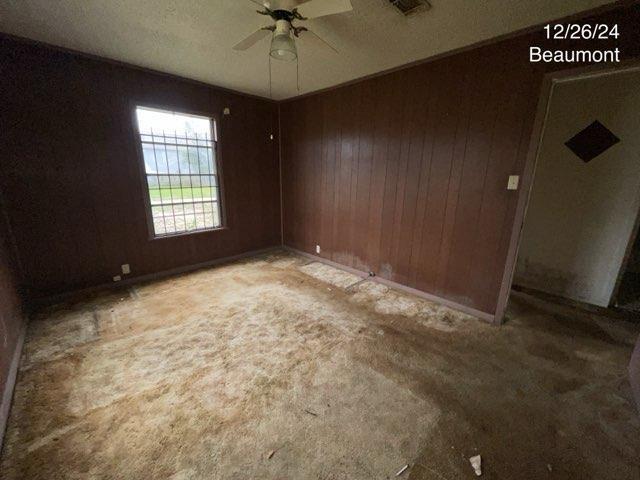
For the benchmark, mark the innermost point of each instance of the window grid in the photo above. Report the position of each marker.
(187, 207)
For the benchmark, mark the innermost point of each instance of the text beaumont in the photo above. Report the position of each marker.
(537, 55)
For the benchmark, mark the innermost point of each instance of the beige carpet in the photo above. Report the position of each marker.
(277, 368)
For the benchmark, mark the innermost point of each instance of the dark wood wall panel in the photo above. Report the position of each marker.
(406, 174)
(71, 177)
(12, 318)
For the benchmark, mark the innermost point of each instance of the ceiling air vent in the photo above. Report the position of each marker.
(408, 7)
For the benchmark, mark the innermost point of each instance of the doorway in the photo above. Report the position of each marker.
(586, 190)
(582, 203)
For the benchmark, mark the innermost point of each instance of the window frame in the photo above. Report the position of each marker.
(215, 136)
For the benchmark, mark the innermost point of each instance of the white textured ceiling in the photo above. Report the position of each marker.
(193, 38)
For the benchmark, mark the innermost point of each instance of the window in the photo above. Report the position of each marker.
(180, 166)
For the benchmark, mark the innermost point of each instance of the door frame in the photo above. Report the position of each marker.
(544, 102)
(625, 259)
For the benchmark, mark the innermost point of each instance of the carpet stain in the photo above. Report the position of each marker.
(277, 368)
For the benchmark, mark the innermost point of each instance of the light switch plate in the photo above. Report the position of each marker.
(514, 180)
(317, 248)
(126, 269)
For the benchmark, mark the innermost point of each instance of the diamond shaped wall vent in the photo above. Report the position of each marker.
(409, 7)
(592, 141)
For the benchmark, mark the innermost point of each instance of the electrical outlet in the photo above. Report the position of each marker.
(317, 248)
(126, 269)
(271, 136)
(117, 278)
(513, 182)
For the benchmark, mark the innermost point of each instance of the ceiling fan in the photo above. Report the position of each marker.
(284, 32)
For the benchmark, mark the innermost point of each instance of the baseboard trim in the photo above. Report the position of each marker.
(398, 286)
(61, 297)
(9, 388)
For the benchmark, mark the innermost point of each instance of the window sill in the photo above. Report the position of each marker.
(188, 234)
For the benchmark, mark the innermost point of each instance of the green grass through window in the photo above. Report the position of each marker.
(179, 194)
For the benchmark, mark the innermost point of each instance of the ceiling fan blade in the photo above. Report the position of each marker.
(310, 38)
(320, 8)
(252, 39)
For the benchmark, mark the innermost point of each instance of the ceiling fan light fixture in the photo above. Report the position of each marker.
(283, 47)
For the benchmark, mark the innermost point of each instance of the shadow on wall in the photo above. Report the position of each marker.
(545, 278)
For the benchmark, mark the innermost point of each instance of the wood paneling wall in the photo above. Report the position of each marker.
(12, 318)
(405, 174)
(69, 168)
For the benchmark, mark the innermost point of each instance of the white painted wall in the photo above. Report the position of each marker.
(580, 216)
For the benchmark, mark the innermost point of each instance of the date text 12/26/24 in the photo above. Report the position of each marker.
(574, 31)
